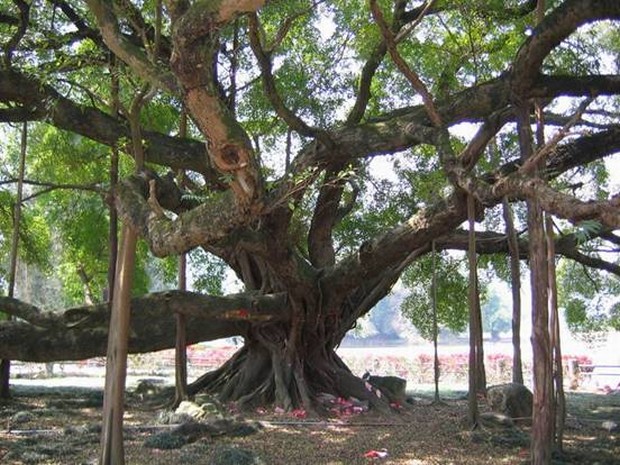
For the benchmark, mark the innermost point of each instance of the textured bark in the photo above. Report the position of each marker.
(542, 415)
(112, 444)
(515, 287)
(80, 333)
(551, 31)
(5, 363)
(436, 366)
(543, 418)
(472, 395)
(555, 342)
(28, 92)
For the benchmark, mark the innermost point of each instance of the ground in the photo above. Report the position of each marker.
(59, 425)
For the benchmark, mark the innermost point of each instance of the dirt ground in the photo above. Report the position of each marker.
(61, 425)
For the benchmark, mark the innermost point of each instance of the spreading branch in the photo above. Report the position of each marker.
(550, 32)
(81, 332)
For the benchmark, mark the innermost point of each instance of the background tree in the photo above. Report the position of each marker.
(495, 317)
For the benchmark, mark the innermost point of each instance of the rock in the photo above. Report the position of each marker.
(165, 440)
(393, 387)
(207, 410)
(511, 399)
(149, 387)
(190, 409)
(490, 419)
(228, 455)
(609, 425)
(21, 417)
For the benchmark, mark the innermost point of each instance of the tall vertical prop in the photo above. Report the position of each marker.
(542, 414)
(112, 449)
(515, 287)
(473, 298)
(180, 358)
(5, 364)
(180, 366)
(554, 331)
(113, 175)
(435, 325)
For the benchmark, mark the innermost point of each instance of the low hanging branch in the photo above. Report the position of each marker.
(81, 332)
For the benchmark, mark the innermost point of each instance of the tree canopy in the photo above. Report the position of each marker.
(328, 144)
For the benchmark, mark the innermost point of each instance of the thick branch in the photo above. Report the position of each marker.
(41, 102)
(388, 249)
(206, 224)
(81, 333)
(409, 127)
(372, 64)
(24, 17)
(561, 205)
(269, 83)
(320, 244)
(488, 242)
(128, 52)
(430, 223)
(556, 27)
(195, 47)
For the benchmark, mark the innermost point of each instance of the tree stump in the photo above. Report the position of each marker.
(511, 399)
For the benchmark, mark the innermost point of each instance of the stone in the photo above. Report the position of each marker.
(491, 419)
(22, 417)
(393, 387)
(149, 387)
(511, 399)
(190, 409)
(228, 455)
(164, 441)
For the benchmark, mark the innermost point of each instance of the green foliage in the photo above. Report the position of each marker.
(35, 237)
(209, 272)
(496, 317)
(452, 291)
(586, 230)
(589, 298)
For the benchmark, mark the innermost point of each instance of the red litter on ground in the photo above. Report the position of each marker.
(376, 454)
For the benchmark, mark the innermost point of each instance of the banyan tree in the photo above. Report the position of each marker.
(294, 110)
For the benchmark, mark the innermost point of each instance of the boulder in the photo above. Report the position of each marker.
(511, 399)
(392, 386)
(230, 455)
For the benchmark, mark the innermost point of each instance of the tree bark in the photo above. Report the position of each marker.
(5, 363)
(472, 396)
(555, 341)
(515, 287)
(113, 175)
(180, 372)
(542, 415)
(112, 445)
(81, 332)
(435, 325)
